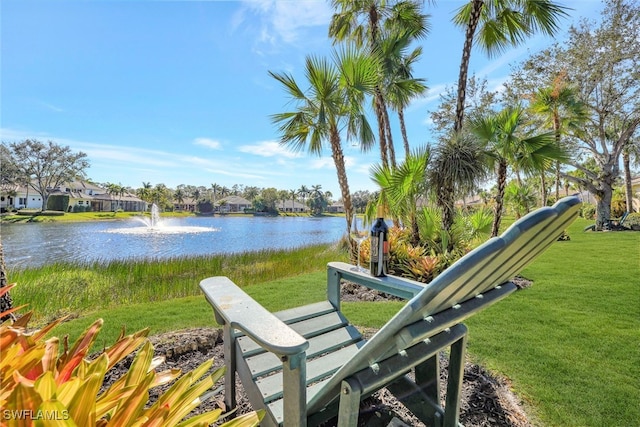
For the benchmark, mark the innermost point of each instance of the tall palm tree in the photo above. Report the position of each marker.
(214, 191)
(458, 164)
(362, 22)
(303, 191)
(293, 194)
(401, 87)
(507, 144)
(559, 105)
(332, 101)
(499, 24)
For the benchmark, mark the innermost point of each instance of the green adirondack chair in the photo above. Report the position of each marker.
(306, 365)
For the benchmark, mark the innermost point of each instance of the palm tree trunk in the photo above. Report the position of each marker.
(543, 189)
(377, 104)
(628, 191)
(387, 125)
(497, 216)
(338, 159)
(464, 63)
(403, 130)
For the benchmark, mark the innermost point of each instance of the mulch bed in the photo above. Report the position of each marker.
(487, 400)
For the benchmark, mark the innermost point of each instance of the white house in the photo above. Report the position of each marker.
(290, 206)
(19, 197)
(83, 196)
(232, 204)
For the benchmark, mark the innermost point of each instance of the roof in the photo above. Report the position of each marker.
(233, 200)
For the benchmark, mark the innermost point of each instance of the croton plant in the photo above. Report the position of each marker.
(42, 384)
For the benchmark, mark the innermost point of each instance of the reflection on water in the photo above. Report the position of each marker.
(36, 244)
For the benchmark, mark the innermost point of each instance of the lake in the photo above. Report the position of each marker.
(36, 244)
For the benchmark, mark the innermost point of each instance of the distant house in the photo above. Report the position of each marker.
(291, 206)
(232, 204)
(336, 207)
(19, 197)
(83, 196)
(188, 204)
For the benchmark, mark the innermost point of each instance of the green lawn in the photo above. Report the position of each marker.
(569, 344)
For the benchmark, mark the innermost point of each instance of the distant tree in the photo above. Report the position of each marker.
(282, 195)
(508, 145)
(117, 190)
(563, 112)
(46, 166)
(293, 194)
(602, 62)
(144, 192)
(250, 192)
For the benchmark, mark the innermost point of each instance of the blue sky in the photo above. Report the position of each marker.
(178, 92)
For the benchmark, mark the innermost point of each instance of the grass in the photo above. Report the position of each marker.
(84, 287)
(35, 216)
(568, 344)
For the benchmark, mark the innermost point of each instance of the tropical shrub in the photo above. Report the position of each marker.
(41, 384)
(632, 219)
(588, 211)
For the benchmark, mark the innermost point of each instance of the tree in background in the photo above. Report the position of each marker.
(458, 165)
(602, 62)
(365, 23)
(333, 100)
(507, 144)
(45, 166)
(563, 112)
(497, 24)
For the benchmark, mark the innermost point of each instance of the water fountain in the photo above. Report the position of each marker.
(153, 224)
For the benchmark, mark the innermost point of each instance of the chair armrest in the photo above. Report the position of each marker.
(393, 285)
(237, 309)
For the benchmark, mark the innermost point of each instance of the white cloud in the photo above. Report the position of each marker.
(269, 149)
(284, 21)
(209, 143)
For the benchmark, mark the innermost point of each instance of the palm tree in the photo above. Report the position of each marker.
(293, 194)
(506, 145)
(303, 191)
(214, 191)
(401, 86)
(333, 100)
(458, 164)
(401, 187)
(562, 111)
(498, 25)
(363, 22)
(179, 196)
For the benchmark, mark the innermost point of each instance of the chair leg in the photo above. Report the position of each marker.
(350, 393)
(294, 379)
(454, 382)
(229, 347)
(427, 377)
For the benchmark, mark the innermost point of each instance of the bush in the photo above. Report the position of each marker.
(40, 380)
(632, 219)
(588, 211)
